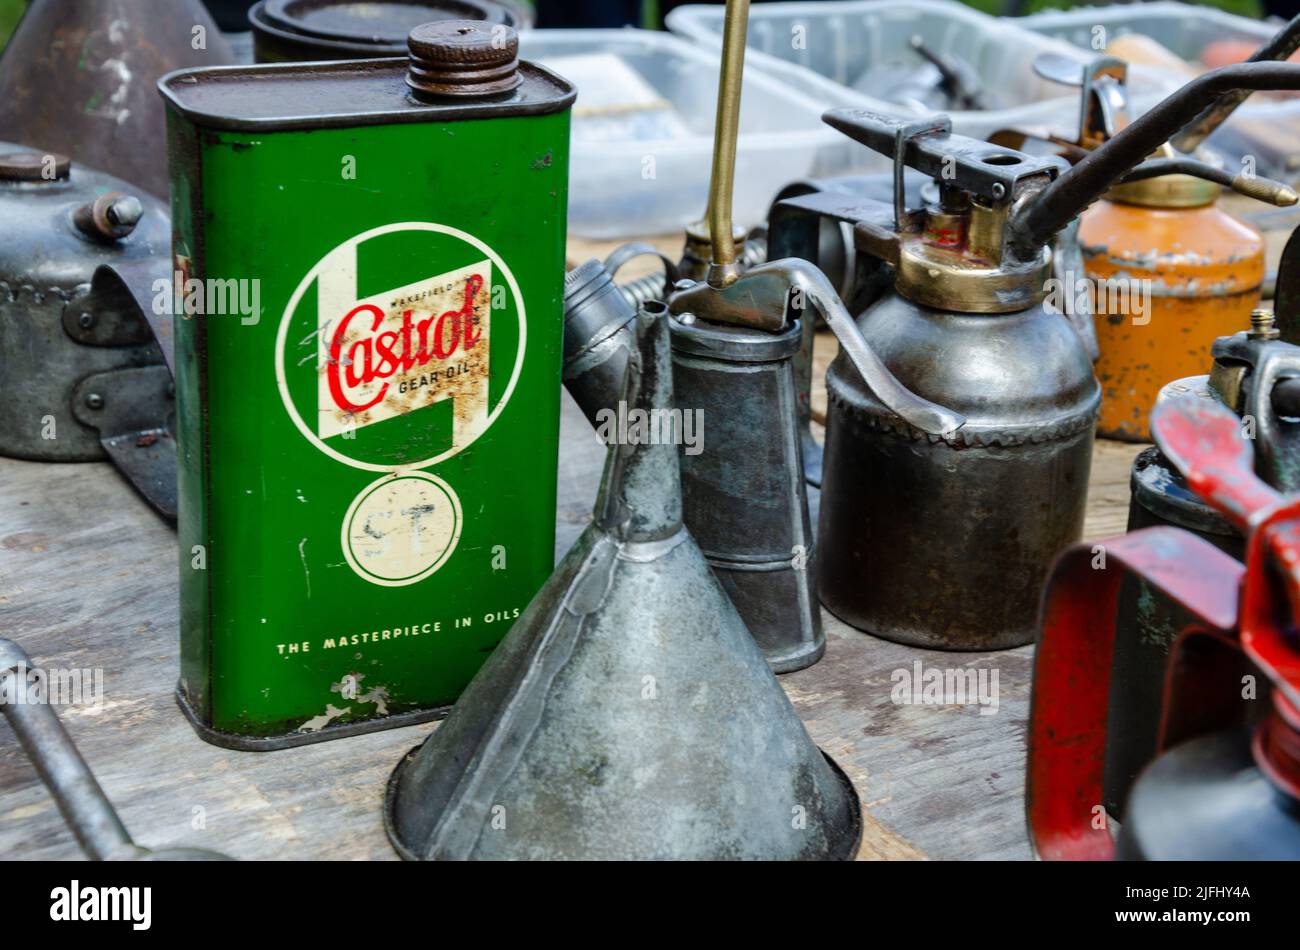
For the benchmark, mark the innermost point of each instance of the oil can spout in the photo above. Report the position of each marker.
(767, 296)
(640, 495)
(1037, 221)
(810, 284)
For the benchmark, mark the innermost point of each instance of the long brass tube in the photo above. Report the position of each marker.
(726, 130)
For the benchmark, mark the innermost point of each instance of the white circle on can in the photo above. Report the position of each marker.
(401, 528)
(282, 334)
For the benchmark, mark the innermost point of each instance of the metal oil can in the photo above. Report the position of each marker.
(1226, 784)
(1204, 269)
(368, 461)
(1253, 374)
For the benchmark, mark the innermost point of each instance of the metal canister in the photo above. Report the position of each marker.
(82, 376)
(368, 458)
(1248, 369)
(738, 501)
(310, 30)
(1008, 490)
(1204, 269)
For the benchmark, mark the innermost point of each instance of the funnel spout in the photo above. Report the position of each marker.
(640, 495)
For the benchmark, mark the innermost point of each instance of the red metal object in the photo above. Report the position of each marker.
(1240, 610)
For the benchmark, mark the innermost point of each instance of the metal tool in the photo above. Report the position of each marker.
(1219, 790)
(77, 77)
(1254, 374)
(964, 326)
(368, 467)
(628, 713)
(735, 335)
(81, 801)
(84, 352)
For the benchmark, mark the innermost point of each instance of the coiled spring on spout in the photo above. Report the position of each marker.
(651, 287)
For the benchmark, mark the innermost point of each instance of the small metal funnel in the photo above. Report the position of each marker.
(628, 713)
(78, 77)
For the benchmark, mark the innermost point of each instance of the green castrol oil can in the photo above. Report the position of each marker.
(369, 262)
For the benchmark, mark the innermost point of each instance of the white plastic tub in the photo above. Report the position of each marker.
(838, 42)
(650, 174)
(1183, 29)
(1261, 127)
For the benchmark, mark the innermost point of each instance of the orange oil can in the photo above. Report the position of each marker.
(1186, 273)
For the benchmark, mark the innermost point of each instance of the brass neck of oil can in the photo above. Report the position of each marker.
(955, 262)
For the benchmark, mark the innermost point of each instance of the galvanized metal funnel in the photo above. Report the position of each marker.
(628, 713)
(78, 77)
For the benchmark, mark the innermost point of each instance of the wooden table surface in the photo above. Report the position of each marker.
(88, 580)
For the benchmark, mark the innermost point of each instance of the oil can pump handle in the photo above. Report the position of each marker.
(993, 173)
(1035, 222)
(1280, 47)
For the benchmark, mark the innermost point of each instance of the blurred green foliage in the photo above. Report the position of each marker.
(10, 11)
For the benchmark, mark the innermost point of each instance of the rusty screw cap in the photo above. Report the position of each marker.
(34, 166)
(462, 58)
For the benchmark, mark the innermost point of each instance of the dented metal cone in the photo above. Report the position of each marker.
(628, 713)
(78, 77)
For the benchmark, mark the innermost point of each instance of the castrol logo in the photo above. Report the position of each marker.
(401, 346)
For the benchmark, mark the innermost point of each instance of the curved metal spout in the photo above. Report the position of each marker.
(1035, 223)
(763, 297)
(816, 290)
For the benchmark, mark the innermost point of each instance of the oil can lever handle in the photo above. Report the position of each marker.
(992, 172)
(1207, 443)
